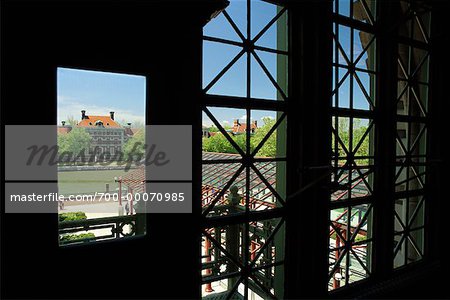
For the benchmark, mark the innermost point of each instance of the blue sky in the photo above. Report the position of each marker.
(99, 93)
(217, 55)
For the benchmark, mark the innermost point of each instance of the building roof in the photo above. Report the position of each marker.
(64, 129)
(241, 128)
(90, 121)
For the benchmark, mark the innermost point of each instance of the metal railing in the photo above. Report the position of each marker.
(107, 228)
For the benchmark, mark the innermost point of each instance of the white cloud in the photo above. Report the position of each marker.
(225, 122)
(244, 117)
(267, 117)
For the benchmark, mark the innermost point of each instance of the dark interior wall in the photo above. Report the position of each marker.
(158, 39)
(161, 40)
(440, 95)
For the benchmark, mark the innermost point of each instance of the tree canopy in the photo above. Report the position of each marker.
(219, 143)
(358, 137)
(73, 143)
(135, 146)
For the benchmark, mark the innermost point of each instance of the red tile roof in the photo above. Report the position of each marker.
(64, 130)
(241, 128)
(90, 121)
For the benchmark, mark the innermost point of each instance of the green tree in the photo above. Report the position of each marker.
(219, 143)
(63, 144)
(135, 145)
(241, 141)
(358, 133)
(213, 128)
(269, 148)
(73, 144)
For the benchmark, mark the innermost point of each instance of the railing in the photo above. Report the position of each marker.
(109, 228)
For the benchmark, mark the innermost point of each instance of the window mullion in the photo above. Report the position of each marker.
(384, 178)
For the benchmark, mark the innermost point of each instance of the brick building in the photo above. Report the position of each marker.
(239, 128)
(107, 136)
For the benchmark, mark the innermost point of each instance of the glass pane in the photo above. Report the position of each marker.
(269, 135)
(363, 91)
(216, 63)
(231, 186)
(409, 213)
(226, 67)
(412, 90)
(274, 36)
(364, 11)
(220, 27)
(344, 45)
(408, 248)
(232, 82)
(263, 74)
(224, 132)
(237, 10)
(227, 249)
(266, 81)
(415, 245)
(261, 14)
(419, 64)
(412, 136)
(399, 253)
(411, 142)
(342, 93)
(222, 188)
(416, 20)
(342, 7)
(263, 193)
(364, 50)
(221, 258)
(340, 54)
(349, 264)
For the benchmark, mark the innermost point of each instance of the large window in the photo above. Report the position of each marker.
(411, 139)
(353, 128)
(101, 134)
(244, 157)
(356, 114)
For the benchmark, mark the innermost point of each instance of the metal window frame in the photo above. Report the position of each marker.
(249, 103)
(308, 135)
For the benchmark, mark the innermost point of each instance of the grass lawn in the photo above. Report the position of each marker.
(82, 182)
